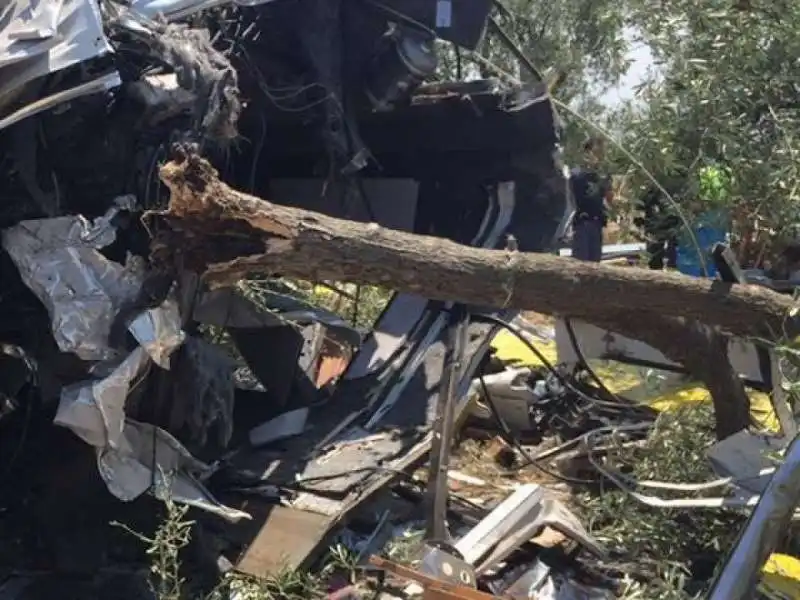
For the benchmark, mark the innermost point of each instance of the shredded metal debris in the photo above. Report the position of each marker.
(187, 393)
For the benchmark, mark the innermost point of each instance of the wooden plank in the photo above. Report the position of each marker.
(285, 540)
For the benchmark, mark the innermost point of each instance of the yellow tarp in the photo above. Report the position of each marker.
(509, 348)
(629, 382)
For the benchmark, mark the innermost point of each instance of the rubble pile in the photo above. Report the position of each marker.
(129, 383)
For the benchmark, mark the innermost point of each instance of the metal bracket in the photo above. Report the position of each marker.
(443, 425)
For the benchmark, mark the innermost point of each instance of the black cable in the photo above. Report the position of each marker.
(515, 49)
(583, 363)
(548, 365)
(510, 438)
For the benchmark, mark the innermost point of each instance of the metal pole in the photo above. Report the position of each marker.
(764, 530)
(444, 426)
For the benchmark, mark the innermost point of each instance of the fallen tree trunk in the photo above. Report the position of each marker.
(228, 235)
(703, 353)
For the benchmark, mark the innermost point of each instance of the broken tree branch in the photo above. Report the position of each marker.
(228, 235)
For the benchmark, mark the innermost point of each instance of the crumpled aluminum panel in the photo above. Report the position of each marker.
(44, 37)
(58, 260)
(175, 10)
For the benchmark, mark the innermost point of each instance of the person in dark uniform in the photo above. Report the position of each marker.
(591, 191)
(659, 225)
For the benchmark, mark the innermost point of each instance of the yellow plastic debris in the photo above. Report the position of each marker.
(780, 577)
(628, 381)
(509, 348)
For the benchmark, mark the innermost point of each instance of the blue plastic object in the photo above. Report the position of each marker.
(710, 230)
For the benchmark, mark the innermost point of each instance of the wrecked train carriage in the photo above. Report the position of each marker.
(311, 103)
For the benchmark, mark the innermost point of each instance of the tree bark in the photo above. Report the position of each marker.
(227, 235)
(704, 354)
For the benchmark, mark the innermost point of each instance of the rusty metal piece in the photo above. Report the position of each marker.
(434, 589)
(447, 567)
(443, 426)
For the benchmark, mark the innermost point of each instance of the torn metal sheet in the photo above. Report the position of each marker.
(540, 583)
(39, 21)
(283, 426)
(747, 458)
(765, 528)
(403, 392)
(95, 410)
(148, 459)
(499, 523)
(158, 331)
(84, 291)
(134, 457)
(502, 204)
(46, 37)
(547, 512)
(81, 289)
(353, 460)
(388, 339)
(395, 334)
(227, 307)
(534, 584)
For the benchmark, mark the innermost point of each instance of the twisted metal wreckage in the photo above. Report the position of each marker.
(318, 104)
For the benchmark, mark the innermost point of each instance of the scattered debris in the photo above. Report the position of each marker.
(286, 424)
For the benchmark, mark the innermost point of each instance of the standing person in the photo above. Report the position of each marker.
(658, 225)
(591, 191)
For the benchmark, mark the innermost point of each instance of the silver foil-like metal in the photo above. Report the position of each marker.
(58, 259)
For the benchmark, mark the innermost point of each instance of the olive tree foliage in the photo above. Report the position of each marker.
(581, 39)
(579, 43)
(726, 93)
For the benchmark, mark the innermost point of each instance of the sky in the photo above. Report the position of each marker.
(642, 60)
